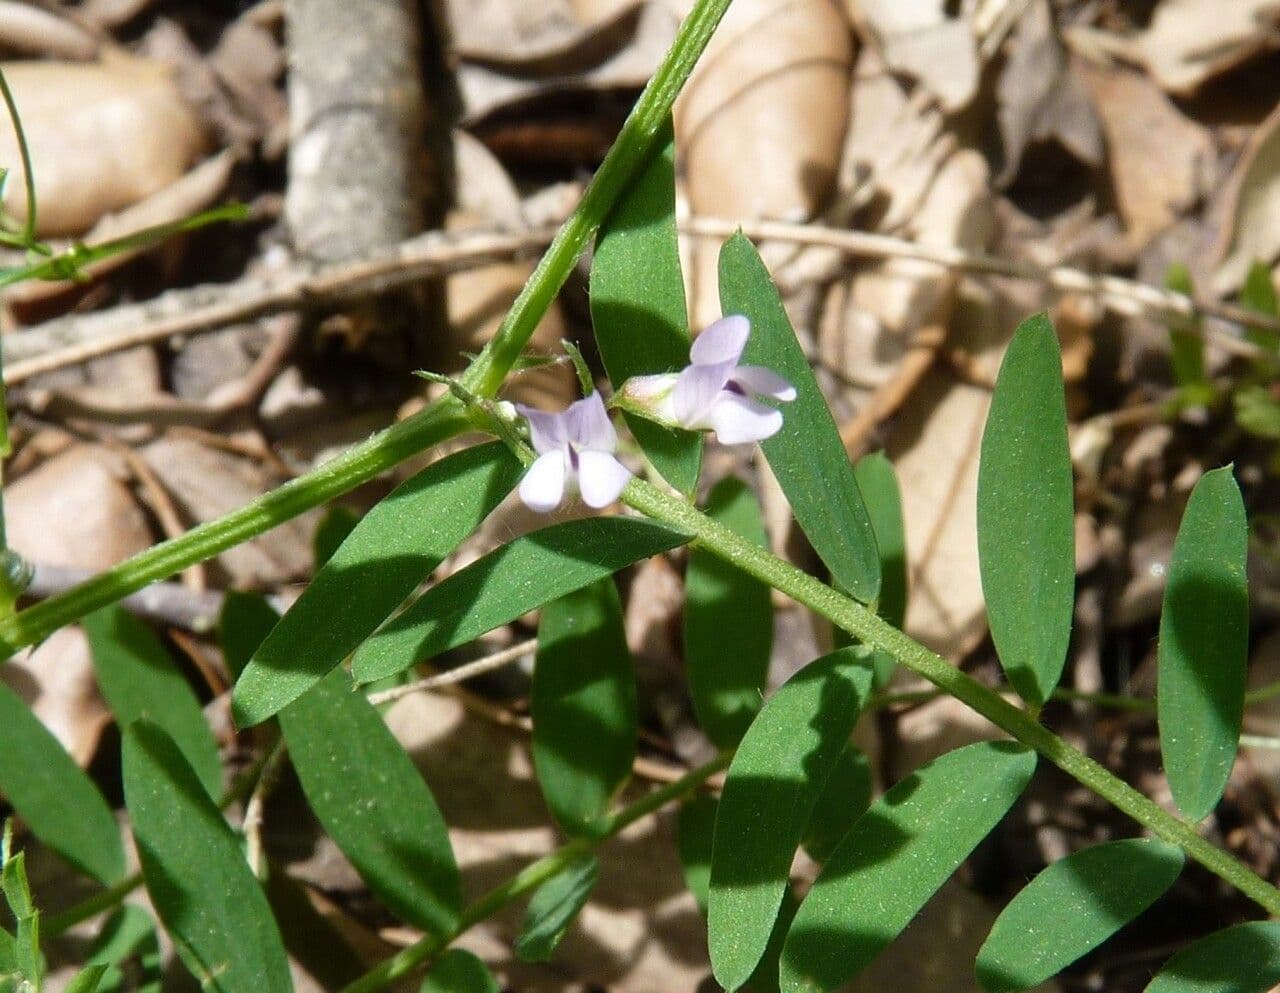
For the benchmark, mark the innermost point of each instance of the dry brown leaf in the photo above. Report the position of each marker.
(920, 39)
(206, 483)
(1251, 233)
(1159, 158)
(103, 136)
(760, 124)
(25, 27)
(1191, 41)
(74, 511)
(513, 52)
(933, 444)
(1039, 96)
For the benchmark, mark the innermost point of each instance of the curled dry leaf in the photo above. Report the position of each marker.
(206, 483)
(1159, 158)
(759, 125)
(1040, 97)
(25, 27)
(920, 39)
(102, 136)
(74, 511)
(514, 52)
(1250, 233)
(1191, 41)
(899, 156)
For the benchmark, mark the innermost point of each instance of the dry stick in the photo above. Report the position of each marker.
(1123, 295)
(470, 670)
(80, 337)
(916, 361)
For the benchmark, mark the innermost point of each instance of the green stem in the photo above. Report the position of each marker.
(357, 465)
(24, 151)
(863, 624)
(529, 879)
(433, 425)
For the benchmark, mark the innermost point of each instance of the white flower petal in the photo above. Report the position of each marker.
(601, 478)
(722, 341)
(588, 426)
(542, 488)
(737, 420)
(547, 431)
(761, 381)
(696, 390)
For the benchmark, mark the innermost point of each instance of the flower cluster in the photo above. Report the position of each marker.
(713, 393)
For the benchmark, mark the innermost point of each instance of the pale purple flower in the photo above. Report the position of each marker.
(575, 451)
(714, 392)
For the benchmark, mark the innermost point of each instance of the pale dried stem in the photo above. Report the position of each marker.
(80, 337)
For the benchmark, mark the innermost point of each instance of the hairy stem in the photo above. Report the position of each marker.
(861, 622)
(529, 879)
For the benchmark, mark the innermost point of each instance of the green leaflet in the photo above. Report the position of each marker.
(555, 905)
(86, 980)
(243, 625)
(139, 680)
(1204, 640)
(584, 706)
(638, 306)
(807, 455)
(844, 798)
(1071, 908)
(458, 971)
(1186, 344)
(384, 558)
(728, 623)
(895, 858)
(531, 571)
(61, 805)
(1240, 959)
(771, 788)
(695, 828)
(1026, 531)
(196, 874)
(128, 939)
(1259, 294)
(879, 485)
(331, 532)
(370, 798)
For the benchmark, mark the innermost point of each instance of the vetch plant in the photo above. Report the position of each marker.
(792, 777)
